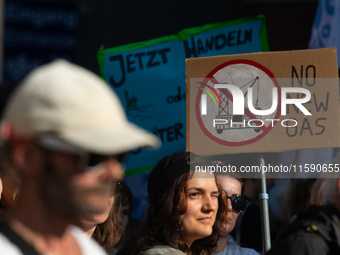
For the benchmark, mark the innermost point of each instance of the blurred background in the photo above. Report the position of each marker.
(76, 29)
(36, 32)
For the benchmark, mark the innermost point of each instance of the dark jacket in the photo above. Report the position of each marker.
(316, 230)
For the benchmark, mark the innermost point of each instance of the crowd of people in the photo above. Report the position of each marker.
(65, 137)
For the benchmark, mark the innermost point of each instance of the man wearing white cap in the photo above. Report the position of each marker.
(67, 133)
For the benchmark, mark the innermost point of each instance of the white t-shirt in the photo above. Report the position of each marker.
(234, 249)
(87, 246)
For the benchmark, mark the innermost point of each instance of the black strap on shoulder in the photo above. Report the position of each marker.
(17, 240)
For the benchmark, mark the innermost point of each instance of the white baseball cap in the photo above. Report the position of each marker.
(77, 106)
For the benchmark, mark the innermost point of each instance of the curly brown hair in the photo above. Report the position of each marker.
(163, 225)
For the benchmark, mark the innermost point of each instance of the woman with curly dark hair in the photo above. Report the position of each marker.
(186, 212)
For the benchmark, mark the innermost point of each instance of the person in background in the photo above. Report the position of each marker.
(314, 230)
(318, 187)
(317, 191)
(123, 209)
(104, 227)
(125, 201)
(186, 212)
(231, 184)
(247, 232)
(299, 194)
(66, 131)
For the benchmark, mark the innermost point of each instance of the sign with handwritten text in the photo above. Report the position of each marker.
(149, 77)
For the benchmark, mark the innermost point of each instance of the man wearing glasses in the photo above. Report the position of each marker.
(232, 186)
(67, 134)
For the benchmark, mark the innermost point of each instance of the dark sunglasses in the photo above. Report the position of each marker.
(95, 159)
(238, 202)
(87, 160)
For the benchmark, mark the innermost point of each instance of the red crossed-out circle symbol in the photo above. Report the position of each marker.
(244, 139)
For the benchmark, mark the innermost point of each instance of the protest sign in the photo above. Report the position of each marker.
(285, 101)
(149, 78)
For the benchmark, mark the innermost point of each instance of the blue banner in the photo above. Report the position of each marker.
(326, 28)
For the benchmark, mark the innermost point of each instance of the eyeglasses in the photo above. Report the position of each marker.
(94, 159)
(238, 202)
(87, 160)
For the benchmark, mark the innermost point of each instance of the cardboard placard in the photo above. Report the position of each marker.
(214, 128)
